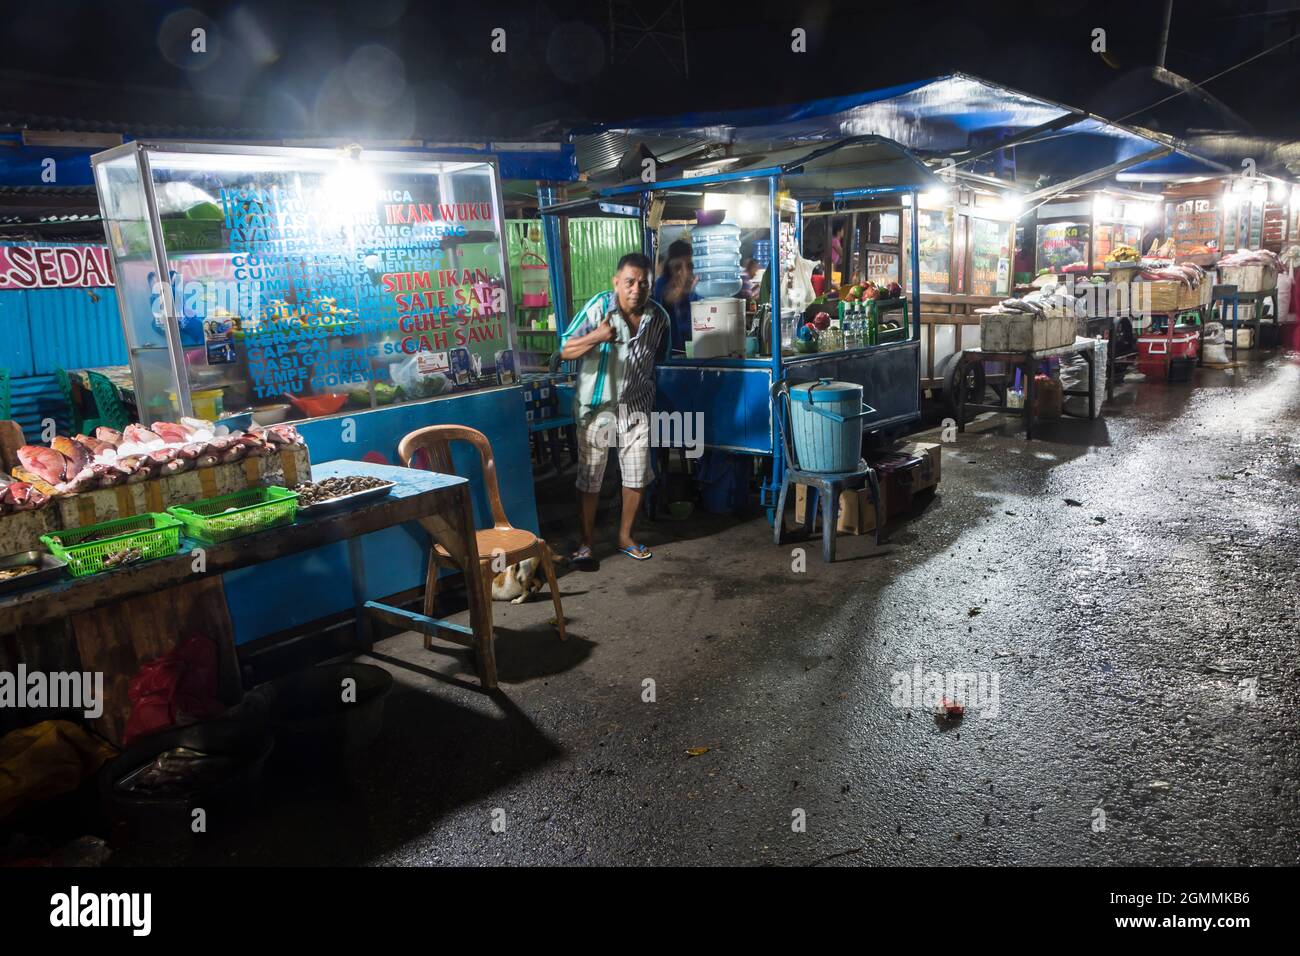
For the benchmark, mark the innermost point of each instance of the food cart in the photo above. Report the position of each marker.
(966, 232)
(357, 294)
(778, 186)
(1077, 232)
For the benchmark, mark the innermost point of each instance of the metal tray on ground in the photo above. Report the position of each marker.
(345, 501)
(49, 568)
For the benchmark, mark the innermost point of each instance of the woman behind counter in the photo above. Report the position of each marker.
(675, 290)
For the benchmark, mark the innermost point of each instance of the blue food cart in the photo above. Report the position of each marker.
(773, 188)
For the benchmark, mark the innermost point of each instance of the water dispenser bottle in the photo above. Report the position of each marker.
(715, 255)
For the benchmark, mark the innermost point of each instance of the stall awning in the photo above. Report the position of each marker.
(974, 122)
(848, 166)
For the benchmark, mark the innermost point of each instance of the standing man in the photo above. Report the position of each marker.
(619, 337)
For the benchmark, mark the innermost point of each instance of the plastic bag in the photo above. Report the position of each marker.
(418, 377)
(799, 290)
(180, 687)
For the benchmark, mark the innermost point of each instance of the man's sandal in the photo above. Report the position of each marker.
(638, 552)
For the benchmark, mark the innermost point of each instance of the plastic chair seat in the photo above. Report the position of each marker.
(514, 542)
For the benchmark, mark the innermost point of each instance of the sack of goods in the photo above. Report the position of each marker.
(1216, 352)
(1074, 377)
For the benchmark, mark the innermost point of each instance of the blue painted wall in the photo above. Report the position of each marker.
(293, 591)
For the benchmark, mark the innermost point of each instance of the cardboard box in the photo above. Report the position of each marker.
(857, 513)
(1254, 277)
(933, 451)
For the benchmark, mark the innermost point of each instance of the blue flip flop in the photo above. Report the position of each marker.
(639, 553)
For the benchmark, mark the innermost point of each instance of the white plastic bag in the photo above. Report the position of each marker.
(799, 289)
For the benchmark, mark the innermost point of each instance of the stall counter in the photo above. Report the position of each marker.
(289, 593)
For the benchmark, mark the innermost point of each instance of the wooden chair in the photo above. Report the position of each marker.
(431, 448)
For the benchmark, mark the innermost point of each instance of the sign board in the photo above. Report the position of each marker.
(54, 267)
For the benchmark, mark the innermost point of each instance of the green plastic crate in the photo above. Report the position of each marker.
(224, 517)
(154, 535)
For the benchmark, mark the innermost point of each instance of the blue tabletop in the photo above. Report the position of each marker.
(410, 481)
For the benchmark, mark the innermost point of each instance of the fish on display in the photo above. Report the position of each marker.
(75, 452)
(109, 436)
(21, 496)
(95, 446)
(139, 435)
(45, 463)
(170, 432)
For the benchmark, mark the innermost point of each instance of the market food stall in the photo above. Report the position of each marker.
(357, 294)
(715, 378)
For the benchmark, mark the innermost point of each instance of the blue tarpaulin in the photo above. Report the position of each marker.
(954, 116)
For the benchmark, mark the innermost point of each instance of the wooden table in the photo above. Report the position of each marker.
(122, 618)
(1029, 362)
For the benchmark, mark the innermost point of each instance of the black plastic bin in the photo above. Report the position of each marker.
(313, 724)
(152, 818)
(1180, 369)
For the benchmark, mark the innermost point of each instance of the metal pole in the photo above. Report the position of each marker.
(915, 265)
(1164, 34)
(546, 196)
(171, 318)
(499, 220)
(774, 288)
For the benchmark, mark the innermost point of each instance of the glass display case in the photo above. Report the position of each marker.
(298, 283)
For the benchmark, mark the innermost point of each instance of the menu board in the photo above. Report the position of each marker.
(1274, 224)
(1197, 226)
(1062, 244)
(339, 287)
(934, 229)
(990, 257)
(882, 267)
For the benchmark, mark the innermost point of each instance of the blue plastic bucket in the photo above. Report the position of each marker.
(826, 424)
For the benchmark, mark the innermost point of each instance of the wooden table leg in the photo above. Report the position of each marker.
(961, 392)
(1031, 367)
(452, 526)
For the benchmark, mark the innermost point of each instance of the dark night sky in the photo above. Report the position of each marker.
(403, 68)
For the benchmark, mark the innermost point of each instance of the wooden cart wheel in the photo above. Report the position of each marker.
(974, 383)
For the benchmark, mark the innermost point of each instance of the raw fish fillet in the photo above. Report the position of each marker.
(139, 435)
(171, 433)
(46, 463)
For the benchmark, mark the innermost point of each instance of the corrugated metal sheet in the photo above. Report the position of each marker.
(75, 328)
(595, 246)
(34, 399)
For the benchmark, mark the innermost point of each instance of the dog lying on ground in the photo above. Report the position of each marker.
(520, 581)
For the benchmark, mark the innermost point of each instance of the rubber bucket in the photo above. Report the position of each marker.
(826, 424)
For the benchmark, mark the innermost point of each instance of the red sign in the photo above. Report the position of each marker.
(54, 267)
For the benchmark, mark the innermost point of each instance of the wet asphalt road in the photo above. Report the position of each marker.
(1144, 645)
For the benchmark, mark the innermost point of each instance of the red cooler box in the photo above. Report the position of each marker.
(1154, 351)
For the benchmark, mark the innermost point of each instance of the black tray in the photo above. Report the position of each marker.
(345, 501)
(51, 569)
